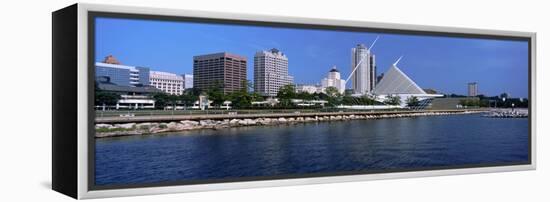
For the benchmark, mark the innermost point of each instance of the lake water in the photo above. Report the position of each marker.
(312, 148)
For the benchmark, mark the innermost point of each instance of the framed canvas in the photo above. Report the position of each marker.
(152, 101)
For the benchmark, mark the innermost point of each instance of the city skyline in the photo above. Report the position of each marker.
(441, 63)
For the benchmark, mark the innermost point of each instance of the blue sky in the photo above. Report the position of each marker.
(443, 63)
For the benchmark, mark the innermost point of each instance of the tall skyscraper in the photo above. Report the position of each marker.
(472, 89)
(270, 72)
(225, 69)
(333, 80)
(364, 78)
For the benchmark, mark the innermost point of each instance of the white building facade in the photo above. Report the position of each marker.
(170, 83)
(333, 80)
(396, 83)
(270, 72)
(364, 77)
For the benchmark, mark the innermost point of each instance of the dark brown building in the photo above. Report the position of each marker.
(226, 69)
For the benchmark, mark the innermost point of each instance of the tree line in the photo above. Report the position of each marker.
(243, 98)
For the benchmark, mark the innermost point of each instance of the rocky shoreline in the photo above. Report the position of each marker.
(149, 128)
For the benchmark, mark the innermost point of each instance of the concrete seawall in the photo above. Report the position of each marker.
(165, 118)
(141, 126)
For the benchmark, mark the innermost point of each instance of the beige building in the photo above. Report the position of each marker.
(170, 83)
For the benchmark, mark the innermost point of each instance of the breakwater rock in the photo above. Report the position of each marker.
(113, 130)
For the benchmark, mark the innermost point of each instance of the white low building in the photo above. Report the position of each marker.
(130, 97)
(167, 82)
(268, 102)
(308, 103)
(135, 102)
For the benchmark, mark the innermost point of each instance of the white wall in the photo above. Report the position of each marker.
(25, 49)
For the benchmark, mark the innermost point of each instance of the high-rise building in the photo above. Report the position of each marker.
(270, 72)
(188, 81)
(333, 80)
(472, 89)
(121, 75)
(170, 83)
(364, 78)
(224, 69)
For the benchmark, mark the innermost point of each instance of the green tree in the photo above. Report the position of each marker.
(106, 98)
(412, 101)
(192, 91)
(392, 100)
(173, 100)
(349, 100)
(304, 96)
(255, 97)
(363, 100)
(239, 99)
(187, 98)
(285, 94)
(161, 100)
(463, 102)
(470, 102)
(332, 91)
(333, 97)
(215, 94)
(242, 98)
(366, 100)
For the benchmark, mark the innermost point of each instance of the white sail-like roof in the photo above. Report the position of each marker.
(396, 82)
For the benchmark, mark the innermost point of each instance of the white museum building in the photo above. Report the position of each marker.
(396, 83)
